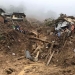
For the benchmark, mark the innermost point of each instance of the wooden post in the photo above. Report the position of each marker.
(37, 55)
(64, 43)
(49, 52)
(50, 58)
(38, 48)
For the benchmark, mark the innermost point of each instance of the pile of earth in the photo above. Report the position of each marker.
(14, 43)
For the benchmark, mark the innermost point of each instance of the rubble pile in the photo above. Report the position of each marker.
(49, 44)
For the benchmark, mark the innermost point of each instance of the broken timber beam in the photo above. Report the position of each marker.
(50, 58)
(49, 52)
(37, 54)
(64, 43)
(34, 38)
(38, 48)
(36, 57)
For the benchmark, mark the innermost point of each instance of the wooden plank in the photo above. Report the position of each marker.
(64, 43)
(36, 57)
(38, 48)
(49, 52)
(50, 58)
(34, 38)
(37, 54)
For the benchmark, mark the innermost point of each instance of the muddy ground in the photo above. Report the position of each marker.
(13, 45)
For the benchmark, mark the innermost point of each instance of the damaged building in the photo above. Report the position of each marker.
(15, 16)
(63, 22)
(60, 24)
(18, 16)
(8, 16)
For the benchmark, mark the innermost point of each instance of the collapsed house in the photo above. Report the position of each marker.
(64, 22)
(18, 16)
(61, 24)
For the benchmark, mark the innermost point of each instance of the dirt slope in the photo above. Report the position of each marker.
(13, 45)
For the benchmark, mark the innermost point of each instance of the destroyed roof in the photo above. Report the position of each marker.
(72, 17)
(16, 13)
(1, 10)
(59, 20)
(70, 20)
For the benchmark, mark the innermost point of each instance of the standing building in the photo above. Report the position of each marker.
(18, 16)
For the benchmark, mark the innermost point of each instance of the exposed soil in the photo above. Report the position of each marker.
(14, 43)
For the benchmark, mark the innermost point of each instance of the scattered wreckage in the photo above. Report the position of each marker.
(38, 46)
(62, 25)
(65, 24)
